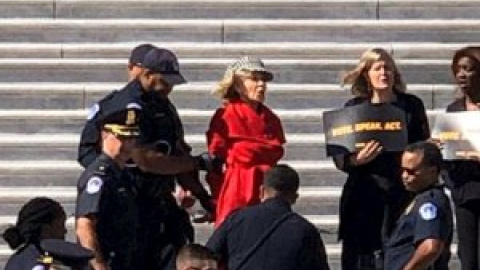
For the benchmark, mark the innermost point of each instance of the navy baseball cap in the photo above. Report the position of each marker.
(164, 62)
(138, 53)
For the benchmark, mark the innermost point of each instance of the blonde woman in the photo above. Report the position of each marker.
(245, 133)
(373, 196)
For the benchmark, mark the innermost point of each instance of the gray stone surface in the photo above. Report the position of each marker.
(352, 31)
(71, 96)
(109, 30)
(217, 9)
(315, 71)
(307, 121)
(265, 50)
(373, 31)
(62, 151)
(26, 9)
(225, 50)
(428, 9)
(56, 176)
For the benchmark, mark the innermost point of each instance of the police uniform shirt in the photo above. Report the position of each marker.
(129, 96)
(428, 217)
(106, 192)
(42, 256)
(24, 259)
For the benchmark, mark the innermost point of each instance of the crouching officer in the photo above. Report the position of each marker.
(106, 212)
(422, 236)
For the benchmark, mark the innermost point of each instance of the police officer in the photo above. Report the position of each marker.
(89, 147)
(164, 226)
(106, 210)
(270, 235)
(422, 236)
(39, 219)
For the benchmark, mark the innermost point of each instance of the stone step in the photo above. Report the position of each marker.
(333, 252)
(55, 96)
(266, 50)
(313, 71)
(331, 9)
(17, 147)
(327, 225)
(312, 201)
(55, 173)
(237, 30)
(195, 121)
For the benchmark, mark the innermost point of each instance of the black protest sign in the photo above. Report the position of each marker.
(460, 133)
(347, 130)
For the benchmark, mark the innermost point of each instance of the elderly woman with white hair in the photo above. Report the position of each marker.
(245, 133)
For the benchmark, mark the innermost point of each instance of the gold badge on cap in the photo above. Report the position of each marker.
(130, 117)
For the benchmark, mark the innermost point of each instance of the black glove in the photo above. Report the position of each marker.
(207, 162)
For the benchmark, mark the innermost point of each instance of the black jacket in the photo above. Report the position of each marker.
(294, 244)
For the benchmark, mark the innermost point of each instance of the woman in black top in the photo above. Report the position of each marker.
(40, 218)
(464, 175)
(373, 196)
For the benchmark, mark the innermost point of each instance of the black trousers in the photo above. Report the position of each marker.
(355, 257)
(468, 228)
(164, 229)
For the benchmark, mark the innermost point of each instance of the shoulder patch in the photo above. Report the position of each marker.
(94, 184)
(92, 111)
(428, 211)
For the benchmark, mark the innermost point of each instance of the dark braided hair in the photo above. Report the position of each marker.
(35, 214)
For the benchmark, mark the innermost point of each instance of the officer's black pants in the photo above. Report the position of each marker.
(165, 228)
(468, 228)
(356, 257)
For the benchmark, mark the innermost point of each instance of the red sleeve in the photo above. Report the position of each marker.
(217, 145)
(217, 135)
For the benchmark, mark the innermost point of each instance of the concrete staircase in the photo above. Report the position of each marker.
(57, 57)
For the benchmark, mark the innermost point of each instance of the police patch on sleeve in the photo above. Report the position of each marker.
(94, 185)
(92, 111)
(428, 211)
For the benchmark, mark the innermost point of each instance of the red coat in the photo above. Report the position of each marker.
(250, 141)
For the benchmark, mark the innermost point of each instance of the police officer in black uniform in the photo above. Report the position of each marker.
(40, 219)
(164, 227)
(270, 235)
(106, 209)
(422, 236)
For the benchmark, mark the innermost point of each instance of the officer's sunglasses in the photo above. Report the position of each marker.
(200, 268)
(412, 172)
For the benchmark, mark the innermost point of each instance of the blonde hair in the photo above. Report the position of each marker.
(225, 88)
(358, 76)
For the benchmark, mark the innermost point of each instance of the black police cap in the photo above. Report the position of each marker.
(122, 122)
(66, 253)
(164, 62)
